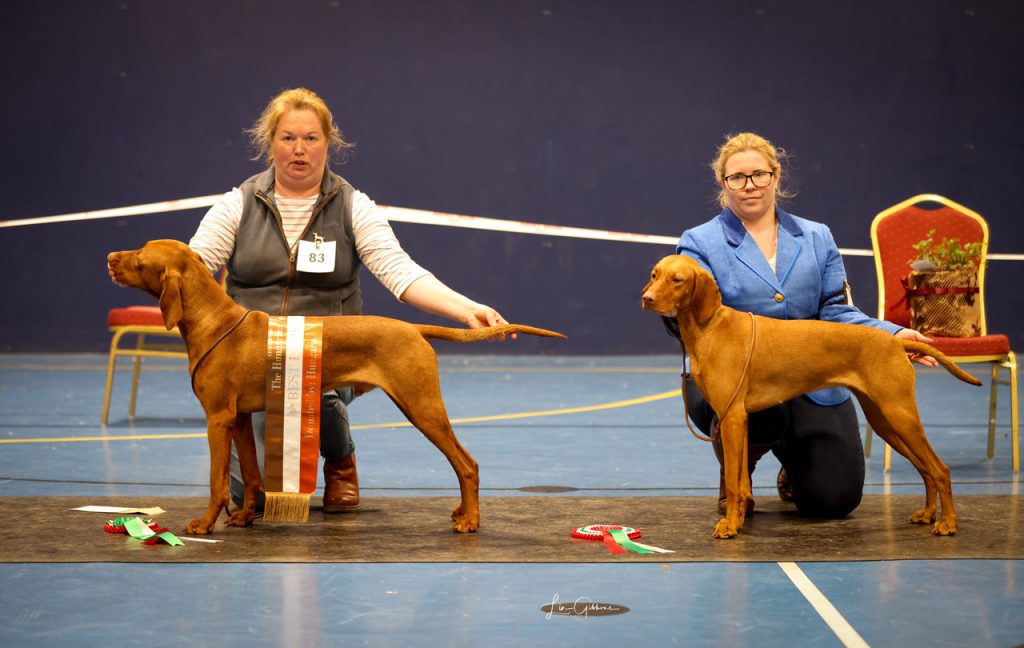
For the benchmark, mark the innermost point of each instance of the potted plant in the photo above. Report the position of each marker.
(942, 287)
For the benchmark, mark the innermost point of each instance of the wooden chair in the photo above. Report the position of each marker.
(893, 234)
(140, 321)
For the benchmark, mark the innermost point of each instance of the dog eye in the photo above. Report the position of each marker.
(677, 279)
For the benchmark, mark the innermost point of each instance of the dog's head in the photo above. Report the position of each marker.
(157, 268)
(680, 285)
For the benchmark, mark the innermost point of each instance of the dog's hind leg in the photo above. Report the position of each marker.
(241, 435)
(416, 390)
(899, 425)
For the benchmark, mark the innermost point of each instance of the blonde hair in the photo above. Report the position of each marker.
(261, 135)
(739, 143)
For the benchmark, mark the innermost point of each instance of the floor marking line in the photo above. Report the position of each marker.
(474, 419)
(835, 621)
(127, 437)
(183, 368)
(554, 412)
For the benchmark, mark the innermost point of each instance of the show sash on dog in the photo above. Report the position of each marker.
(292, 438)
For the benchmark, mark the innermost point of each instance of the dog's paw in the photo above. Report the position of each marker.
(465, 526)
(945, 527)
(463, 523)
(241, 518)
(198, 527)
(725, 530)
(924, 515)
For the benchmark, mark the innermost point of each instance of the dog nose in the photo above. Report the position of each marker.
(646, 300)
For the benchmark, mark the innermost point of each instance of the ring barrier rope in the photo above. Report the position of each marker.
(418, 216)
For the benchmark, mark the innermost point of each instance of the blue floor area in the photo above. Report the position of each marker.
(604, 426)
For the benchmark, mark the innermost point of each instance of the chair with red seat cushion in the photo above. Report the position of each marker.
(894, 232)
(140, 321)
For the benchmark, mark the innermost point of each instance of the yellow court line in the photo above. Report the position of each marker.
(180, 367)
(474, 419)
(554, 412)
(127, 437)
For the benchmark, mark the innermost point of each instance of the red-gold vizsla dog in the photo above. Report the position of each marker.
(364, 352)
(745, 363)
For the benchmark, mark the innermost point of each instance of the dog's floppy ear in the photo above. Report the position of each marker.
(170, 299)
(706, 299)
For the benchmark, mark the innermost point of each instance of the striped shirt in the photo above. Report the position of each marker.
(295, 215)
(376, 244)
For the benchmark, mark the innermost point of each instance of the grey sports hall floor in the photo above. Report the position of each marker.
(599, 438)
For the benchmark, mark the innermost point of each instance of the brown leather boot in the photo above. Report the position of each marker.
(341, 485)
(785, 488)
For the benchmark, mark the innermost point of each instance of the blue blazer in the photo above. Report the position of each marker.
(809, 275)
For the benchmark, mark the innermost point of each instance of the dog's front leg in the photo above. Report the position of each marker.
(241, 435)
(733, 428)
(218, 436)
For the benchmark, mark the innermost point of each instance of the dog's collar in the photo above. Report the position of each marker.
(214, 346)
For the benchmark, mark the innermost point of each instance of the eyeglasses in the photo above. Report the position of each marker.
(760, 179)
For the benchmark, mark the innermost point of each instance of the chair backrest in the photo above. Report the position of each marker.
(894, 233)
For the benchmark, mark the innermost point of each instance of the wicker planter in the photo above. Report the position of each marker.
(945, 303)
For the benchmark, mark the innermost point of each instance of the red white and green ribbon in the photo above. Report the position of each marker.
(146, 530)
(617, 538)
(294, 351)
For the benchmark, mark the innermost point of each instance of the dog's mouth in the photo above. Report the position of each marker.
(115, 271)
(119, 271)
(650, 306)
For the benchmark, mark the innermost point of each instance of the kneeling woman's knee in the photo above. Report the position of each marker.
(829, 502)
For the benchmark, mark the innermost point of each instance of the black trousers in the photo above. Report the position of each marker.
(818, 445)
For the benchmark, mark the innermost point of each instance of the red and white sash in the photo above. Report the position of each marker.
(292, 440)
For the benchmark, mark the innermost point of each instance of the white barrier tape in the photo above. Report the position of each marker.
(419, 216)
(403, 215)
(117, 212)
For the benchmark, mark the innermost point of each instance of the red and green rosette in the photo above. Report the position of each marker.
(617, 538)
(148, 531)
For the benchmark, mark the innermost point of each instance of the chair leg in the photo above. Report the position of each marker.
(887, 454)
(993, 400)
(136, 366)
(110, 376)
(1011, 364)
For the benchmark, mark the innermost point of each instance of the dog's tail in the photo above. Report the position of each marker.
(475, 335)
(952, 367)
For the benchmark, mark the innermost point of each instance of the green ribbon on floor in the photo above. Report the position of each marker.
(138, 529)
(623, 540)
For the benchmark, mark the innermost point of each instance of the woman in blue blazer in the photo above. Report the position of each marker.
(772, 263)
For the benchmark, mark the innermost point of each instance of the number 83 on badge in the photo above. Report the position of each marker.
(316, 255)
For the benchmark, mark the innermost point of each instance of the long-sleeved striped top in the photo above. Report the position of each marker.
(376, 244)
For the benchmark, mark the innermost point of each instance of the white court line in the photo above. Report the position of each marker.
(406, 215)
(843, 630)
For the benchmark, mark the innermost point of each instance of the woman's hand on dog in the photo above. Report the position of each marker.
(911, 334)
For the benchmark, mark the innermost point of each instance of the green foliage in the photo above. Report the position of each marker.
(949, 254)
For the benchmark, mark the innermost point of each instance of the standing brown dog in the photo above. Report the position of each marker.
(227, 352)
(745, 363)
